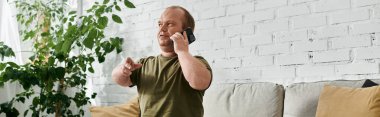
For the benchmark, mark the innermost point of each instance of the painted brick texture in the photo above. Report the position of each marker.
(281, 41)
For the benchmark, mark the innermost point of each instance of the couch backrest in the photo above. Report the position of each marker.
(244, 100)
(301, 99)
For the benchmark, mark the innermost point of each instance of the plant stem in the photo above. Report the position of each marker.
(59, 103)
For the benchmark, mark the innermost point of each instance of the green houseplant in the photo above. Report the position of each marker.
(56, 32)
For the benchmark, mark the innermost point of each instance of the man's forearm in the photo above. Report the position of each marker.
(195, 72)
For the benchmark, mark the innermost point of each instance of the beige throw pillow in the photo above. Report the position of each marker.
(337, 101)
(129, 109)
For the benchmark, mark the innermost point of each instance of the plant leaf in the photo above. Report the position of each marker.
(66, 47)
(13, 65)
(93, 95)
(129, 4)
(89, 41)
(102, 21)
(117, 8)
(116, 18)
(100, 11)
(2, 66)
(91, 69)
(72, 12)
(101, 58)
(51, 61)
(26, 113)
(45, 34)
(106, 1)
(60, 72)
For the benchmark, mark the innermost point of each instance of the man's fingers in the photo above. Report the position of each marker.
(185, 36)
(176, 36)
(136, 66)
(173, 38)
(127, 66)
(129, 63)
(126, 71)
(129, 60)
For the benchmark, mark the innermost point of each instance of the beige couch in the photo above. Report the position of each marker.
(249, 100)
(267, 99)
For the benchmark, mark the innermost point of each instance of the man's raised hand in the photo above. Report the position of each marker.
(130, 66)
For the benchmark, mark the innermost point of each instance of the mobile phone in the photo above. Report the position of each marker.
(190, 35)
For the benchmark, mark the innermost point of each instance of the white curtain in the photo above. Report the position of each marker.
(10, 36)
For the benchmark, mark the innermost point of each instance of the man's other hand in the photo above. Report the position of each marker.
(121, 75)
(129, 66)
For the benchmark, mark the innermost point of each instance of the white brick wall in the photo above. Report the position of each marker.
(299, 1)
(264, 4)
(365, 2)
(376, 11)
(257, 61)
(274, 49)
(354, 41)
(349, 15)
(304, 46)
(236, 30)
(207, 4)
(293, 10)
(251, 40)
(229, 20)
(240, 8)
(330, 31)
(331, 5)
(227, 63)
(368, 53)
(366, 28)
(259, 15)
(357, 68)
(238, 52)
(377, 39)
(276, 25)
(292, 59)
(309, 21)
(281, 41)
(314, 70)
(278, 73)
(291, 36)
(331, 56)
(212, 13)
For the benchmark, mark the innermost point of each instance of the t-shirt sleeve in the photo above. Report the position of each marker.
(135, 76)
(204, 61)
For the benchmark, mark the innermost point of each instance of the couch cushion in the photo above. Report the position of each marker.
(338, 101)
(129, 109)
(244, 100)
(301, 99)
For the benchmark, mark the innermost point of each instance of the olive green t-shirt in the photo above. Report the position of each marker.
(163, 89)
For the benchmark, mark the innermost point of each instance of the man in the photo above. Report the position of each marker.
(171, 84)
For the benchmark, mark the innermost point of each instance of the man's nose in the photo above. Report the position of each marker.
(163, 28)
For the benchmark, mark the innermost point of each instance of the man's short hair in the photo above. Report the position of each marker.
(189, 20)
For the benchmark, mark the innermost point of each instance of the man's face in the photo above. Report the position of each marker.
(171, 21)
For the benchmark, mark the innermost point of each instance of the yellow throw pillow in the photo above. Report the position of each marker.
(129, 109)
(337, 101)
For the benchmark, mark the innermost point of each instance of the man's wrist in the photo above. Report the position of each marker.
(129, 82)
(184, 53)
